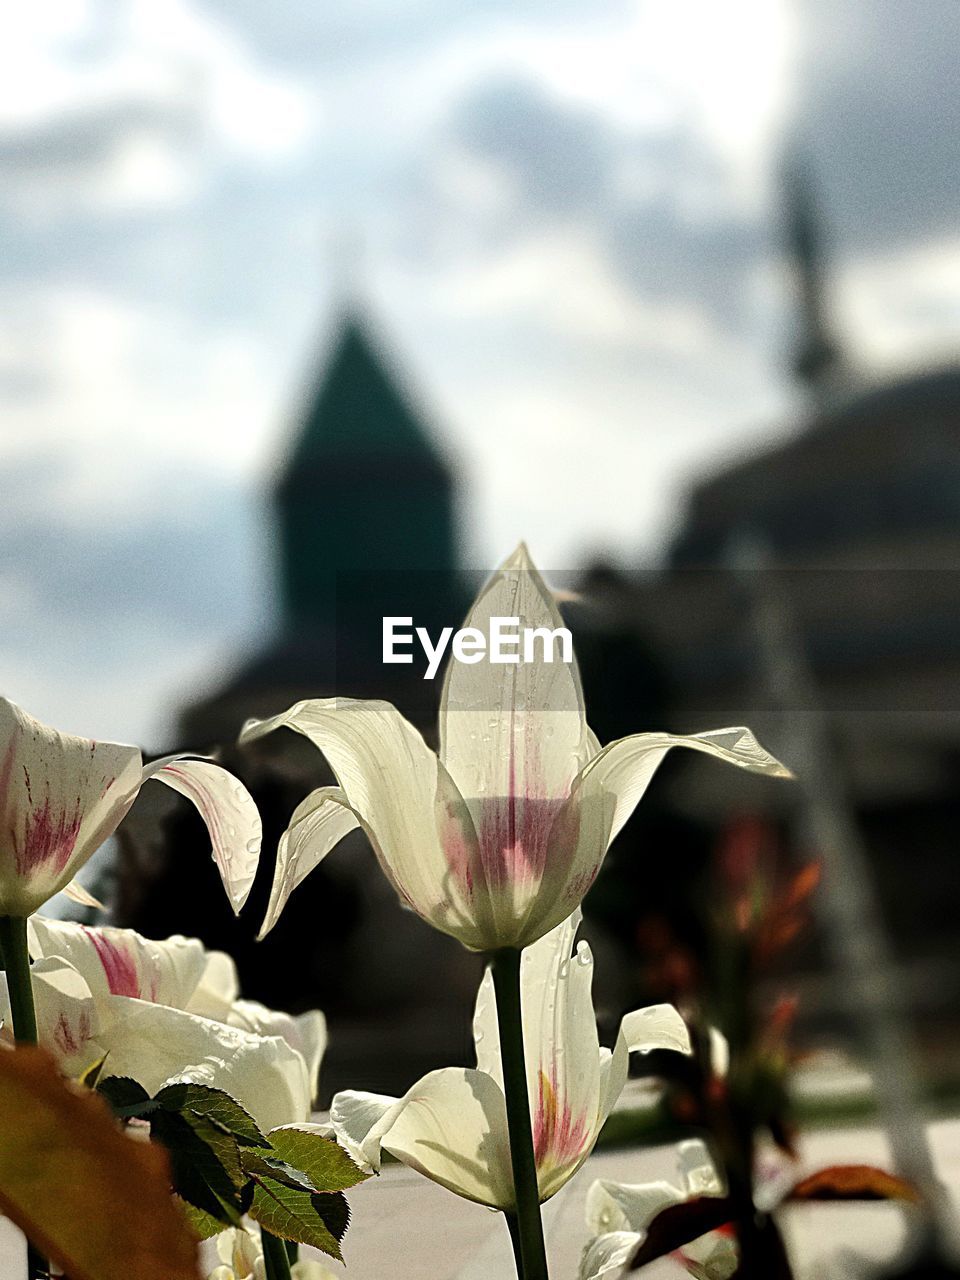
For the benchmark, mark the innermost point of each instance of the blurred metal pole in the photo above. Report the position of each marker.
(848, 904)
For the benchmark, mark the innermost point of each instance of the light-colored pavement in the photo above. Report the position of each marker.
(406, 1228)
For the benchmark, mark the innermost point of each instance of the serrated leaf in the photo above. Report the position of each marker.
(216, 1106)
(334, 1209)
(126, 1097)
(63, 1159)
(318, 1220)
(203, 1225)
(854, 1182)
(326, 1164)
(206, 1163)
(259, 1165)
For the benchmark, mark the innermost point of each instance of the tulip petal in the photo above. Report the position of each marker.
(311, 1027)
(486, 1030)
(616, 1206)
(122, 962)
(156, 1045)
(317, 826)
(452, 1128)
(81, 896)
(604, 795)
(624, 768)
(406, 802)
(513, 736)
(517, 725)
(306, 1033)
(67, 1020)
(624, 1206)
(561, 1049)
(621, 1213)
(562, 1052)
(229, 812)
(60, 798)
(608, 1256)
(218, 988)
(359, 1121)
(658, 1026)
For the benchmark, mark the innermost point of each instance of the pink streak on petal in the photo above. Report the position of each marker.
(513, 830)
(558, 1138)
(49, 837)
(63, 1034)
(119, 966)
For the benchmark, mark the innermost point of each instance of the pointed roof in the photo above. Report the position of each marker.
(359, 409)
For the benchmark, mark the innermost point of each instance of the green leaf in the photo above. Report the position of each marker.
(297, 1188)
(258, 1166)
(206, 1163)
(126, 1097)
(318, 1220)
(91, 1075)
(214, 1105)
(203, 1225)
(327, 1165)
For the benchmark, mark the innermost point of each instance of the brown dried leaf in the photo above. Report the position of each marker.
(853, 1182)
(93, 1200)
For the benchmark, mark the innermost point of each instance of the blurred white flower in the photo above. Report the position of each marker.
(619, 1215)
(241, 1256)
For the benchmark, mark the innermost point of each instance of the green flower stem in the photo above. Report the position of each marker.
(16, 963)
(510, 1218)
(276, 1261)
(16, 958)
(527, 1229)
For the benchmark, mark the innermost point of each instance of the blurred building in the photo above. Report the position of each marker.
(365, 512)
(857, 516)
(852, 526)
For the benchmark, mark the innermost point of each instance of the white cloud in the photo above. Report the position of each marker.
(562, 284)
(902, 307)
(115, 390)
(596, 323)
(127, 106)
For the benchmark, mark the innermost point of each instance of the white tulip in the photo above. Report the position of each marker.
(143, 1004)
(452, 1125)
(61, 797)
(497, 839)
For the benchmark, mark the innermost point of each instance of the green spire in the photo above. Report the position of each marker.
(364, 492)
(358, 408)
(817, 361)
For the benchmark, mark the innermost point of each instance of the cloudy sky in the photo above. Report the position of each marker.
(562, 214)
